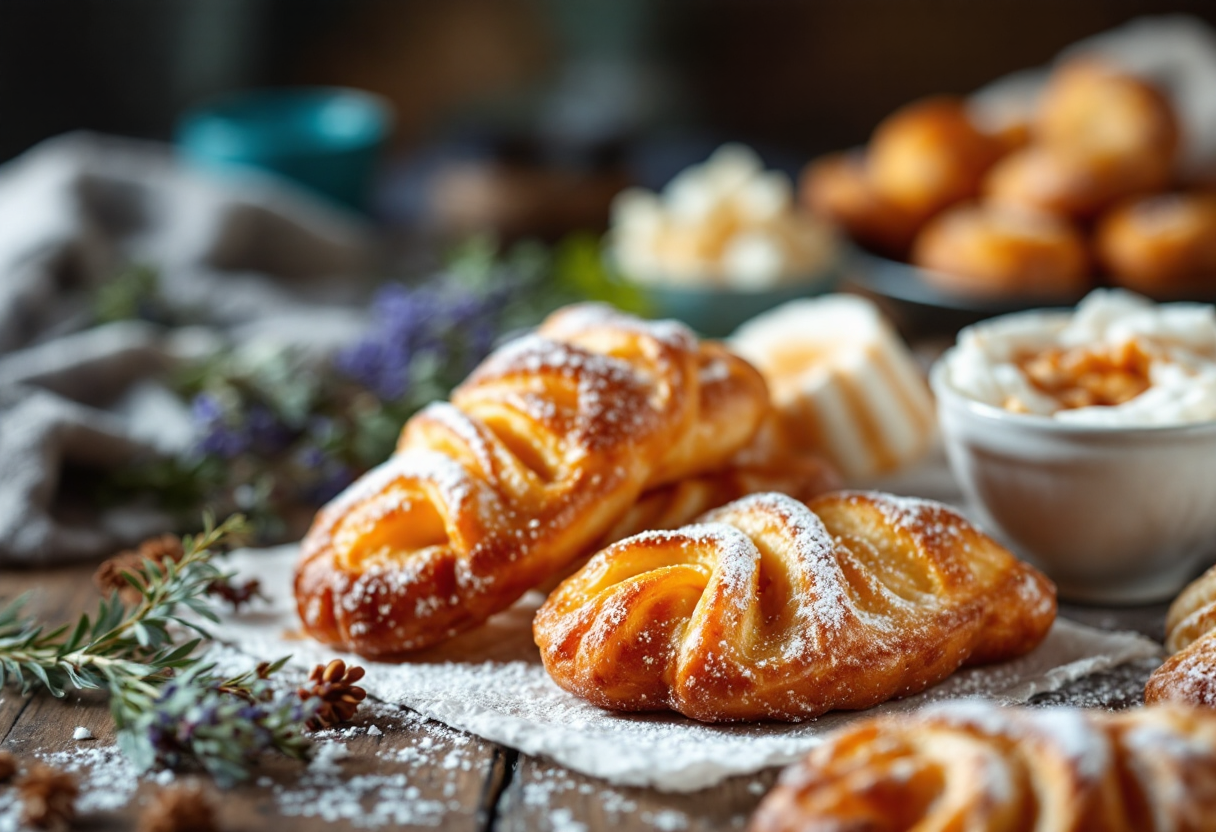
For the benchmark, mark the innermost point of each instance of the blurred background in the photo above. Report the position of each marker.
(652, 86)
(242, 241)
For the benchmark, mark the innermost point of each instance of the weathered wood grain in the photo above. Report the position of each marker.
(407, 773)
(543, 796)
(417, 774)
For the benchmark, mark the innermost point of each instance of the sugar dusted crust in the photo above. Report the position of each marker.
(1189, 675)
(546, 445)
(769, 608)
(979, 766)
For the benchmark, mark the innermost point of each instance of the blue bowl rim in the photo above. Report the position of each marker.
(212, 107)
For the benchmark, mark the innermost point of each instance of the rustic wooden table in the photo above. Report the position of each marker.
(408, 772)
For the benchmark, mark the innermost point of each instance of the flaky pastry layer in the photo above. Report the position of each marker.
(546, 445)
(979, 766)
(1189, 674)
(769, 608)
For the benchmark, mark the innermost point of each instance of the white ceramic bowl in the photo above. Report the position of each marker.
(1115, 515)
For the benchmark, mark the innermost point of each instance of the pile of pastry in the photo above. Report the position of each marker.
(704, 567)
(1080, 189)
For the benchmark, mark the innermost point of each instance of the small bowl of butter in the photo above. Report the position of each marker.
(724, 241)
(1086, 440)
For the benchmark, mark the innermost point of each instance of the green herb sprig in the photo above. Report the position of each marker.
(168, 704)
(222, 725)
(122, 645)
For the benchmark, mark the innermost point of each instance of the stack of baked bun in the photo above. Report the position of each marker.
(721, 589)
(1081, 190)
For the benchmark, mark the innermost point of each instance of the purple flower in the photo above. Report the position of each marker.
(215, 436)
(206, 409)
(458, 328)
(310, 456)
(333, 481)
(380, 366)
(266, 433)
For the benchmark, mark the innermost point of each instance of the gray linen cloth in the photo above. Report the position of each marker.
(249, 259)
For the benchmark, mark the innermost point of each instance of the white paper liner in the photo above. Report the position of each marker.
(491, 683)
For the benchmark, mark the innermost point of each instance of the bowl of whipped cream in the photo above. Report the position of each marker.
(1086, 440)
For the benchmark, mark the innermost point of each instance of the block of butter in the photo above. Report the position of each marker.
(843, 383)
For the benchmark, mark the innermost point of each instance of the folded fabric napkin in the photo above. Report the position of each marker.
(248, 259)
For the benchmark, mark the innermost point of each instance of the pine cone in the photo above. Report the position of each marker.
(335, 686)
(48, 797)
(108, 576)
(179, 809)
(8, 766)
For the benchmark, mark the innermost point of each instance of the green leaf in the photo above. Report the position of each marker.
(40, 672)
(78, 634)
(178, 656)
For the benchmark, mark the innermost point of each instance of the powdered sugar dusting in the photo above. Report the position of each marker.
(575, 320)
(825, 600)
(491, 682)
(614, 398)
(1070, 732)
(794, 620)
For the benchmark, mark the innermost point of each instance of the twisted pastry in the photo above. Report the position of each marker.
(543, 448)
(978, 766)
(800, 476)
(1189, 675)
(770, 609)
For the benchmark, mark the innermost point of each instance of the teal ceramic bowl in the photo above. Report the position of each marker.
(328, 139)
(718, 312)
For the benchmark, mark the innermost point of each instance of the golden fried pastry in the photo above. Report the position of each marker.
(546, 446)
(1100, 135)
(1070, 183)
(1096, 110)
(929, 154)
(992, 250)
(972, 766)
(799, 475)
(769, 609)
(1189, 675)
(837, 189)
(1163, 246)
(843, 383)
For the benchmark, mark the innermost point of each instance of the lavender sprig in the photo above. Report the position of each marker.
(170, 708)
(279, 434)
(224, 726)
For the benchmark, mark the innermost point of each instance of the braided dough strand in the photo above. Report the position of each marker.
(543, 448)
(1189, 675)
(769, 608)
(972, 765)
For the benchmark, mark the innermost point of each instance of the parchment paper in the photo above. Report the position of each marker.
(491, 683)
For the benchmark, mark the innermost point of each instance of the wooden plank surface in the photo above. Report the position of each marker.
(399, 770)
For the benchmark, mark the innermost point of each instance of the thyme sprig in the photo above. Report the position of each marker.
(128, 646)
(169, 705)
